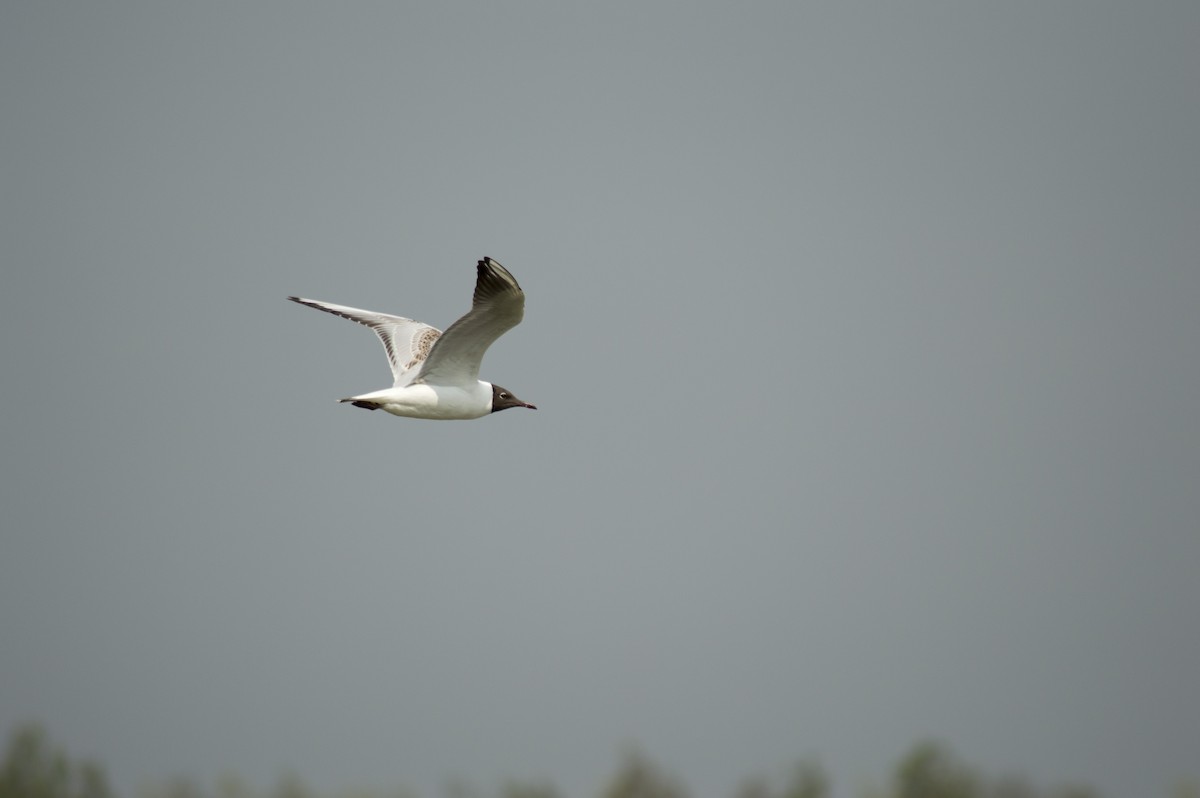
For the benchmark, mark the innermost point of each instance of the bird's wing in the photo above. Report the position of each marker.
(498, 306)
(407, 342)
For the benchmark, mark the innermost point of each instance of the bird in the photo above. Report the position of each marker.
(436, 374)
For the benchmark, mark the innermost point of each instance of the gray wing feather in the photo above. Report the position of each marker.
(497, 307)
(406, 342)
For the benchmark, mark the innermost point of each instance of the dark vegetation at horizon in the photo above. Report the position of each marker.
(36, 767)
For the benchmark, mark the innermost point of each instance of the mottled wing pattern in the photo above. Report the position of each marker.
(407, 342)
(498, 306)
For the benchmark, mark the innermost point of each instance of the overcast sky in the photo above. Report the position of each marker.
(865, 337)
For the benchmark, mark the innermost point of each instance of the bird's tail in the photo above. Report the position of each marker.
(366, 404)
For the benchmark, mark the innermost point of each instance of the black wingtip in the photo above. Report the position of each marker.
(492, 278)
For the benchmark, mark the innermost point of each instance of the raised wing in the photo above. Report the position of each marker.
(498, 306)
(407, 342)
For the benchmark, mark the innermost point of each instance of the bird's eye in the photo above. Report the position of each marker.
(504, 394)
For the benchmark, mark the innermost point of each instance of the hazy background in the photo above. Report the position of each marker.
(866, 339)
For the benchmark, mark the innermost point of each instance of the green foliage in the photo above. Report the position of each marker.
(930, 771)
(638, 777)
(93, 783)
(34, 768)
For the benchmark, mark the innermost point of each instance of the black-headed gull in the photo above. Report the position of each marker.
(436, 374)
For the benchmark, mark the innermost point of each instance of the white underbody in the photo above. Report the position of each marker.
(439, 402)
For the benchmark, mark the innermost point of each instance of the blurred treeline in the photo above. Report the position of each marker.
(35, 767)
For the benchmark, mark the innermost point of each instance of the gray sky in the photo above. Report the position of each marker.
(864, 335)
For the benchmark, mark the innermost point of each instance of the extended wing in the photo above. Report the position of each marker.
(407, 342)
(497, 307)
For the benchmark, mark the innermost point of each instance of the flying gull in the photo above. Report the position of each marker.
(436, 374)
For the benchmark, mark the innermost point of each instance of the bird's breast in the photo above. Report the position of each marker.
(438, 401)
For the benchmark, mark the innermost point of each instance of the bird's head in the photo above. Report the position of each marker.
(502, 399)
